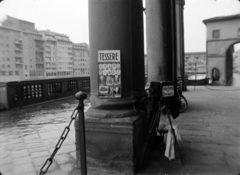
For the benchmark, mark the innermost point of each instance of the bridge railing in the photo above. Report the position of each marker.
(23, 93)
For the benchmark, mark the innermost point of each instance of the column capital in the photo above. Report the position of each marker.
(181, 2)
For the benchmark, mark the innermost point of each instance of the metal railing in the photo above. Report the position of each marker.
(80, 96)
(23, 93)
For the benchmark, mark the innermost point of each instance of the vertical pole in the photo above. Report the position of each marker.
(81, 96)
(174, 40)
(182, 39)
(195, 74)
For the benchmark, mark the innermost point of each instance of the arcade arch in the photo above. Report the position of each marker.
(232, 65)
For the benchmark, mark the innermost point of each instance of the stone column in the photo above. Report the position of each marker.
(160, 40)
(115, 129)
(180, 43)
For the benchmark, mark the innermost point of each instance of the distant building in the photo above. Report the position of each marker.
(223, 33)
(29, 54)
(19, 42)
(195, 63)
(81, 60)
(58, 55)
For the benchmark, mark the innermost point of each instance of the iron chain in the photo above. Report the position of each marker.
(66, 130)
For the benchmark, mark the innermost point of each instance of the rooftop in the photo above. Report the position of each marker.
(195, 53)
(222, 18)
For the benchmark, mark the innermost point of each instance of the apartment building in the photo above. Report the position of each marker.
(18, 51)
(65, 58)
(28, 54)
(33, 49)
(81, 62)
(58, 55)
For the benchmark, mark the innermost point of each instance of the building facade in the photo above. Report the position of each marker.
(195, 63)
(222, 34)
(81, 62)
(20, 56)
(29, 54)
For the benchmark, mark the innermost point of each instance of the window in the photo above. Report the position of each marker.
(10, 72)
(216, 34)
(8, 66)
(17, 72)
(238, 31)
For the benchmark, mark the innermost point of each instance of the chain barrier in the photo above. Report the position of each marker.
(66, 130)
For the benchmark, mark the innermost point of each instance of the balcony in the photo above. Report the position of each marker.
(19, 65)
(18, 49)
(18, 42)
(18, 62)
(39, 62)
(18, 55)
(39, 49)
(48, 49)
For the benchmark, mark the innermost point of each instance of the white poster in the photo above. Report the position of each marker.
(109, 70)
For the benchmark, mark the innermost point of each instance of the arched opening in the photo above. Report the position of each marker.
(232, 64)
(215, 74)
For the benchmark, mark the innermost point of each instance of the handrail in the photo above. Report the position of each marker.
(30, 92)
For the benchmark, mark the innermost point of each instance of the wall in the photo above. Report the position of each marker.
(217, 48)
(217, 62)
(228, 28)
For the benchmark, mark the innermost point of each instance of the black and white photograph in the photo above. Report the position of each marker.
(120, 87)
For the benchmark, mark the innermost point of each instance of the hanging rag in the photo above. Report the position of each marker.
(170, 147)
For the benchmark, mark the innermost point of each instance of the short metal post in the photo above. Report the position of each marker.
(82, 96)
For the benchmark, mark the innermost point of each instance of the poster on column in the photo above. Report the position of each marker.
(109, 74)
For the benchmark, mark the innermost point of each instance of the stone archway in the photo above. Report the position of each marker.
(233, 48)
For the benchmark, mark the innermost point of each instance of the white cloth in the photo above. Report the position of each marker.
(164, 126)
(170, 142)
(170, 149)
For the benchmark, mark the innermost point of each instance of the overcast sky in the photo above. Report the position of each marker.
(70, 17)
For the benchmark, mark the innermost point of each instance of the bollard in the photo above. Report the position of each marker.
(82, 96)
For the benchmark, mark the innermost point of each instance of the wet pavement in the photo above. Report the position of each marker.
(210, 131)
(28, 137)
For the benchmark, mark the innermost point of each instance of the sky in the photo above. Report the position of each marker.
(195, 11)
(70, 17)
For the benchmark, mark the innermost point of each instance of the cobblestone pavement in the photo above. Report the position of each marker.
(28, 137)
(210, 131)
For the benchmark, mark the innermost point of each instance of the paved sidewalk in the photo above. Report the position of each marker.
(210, 130)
